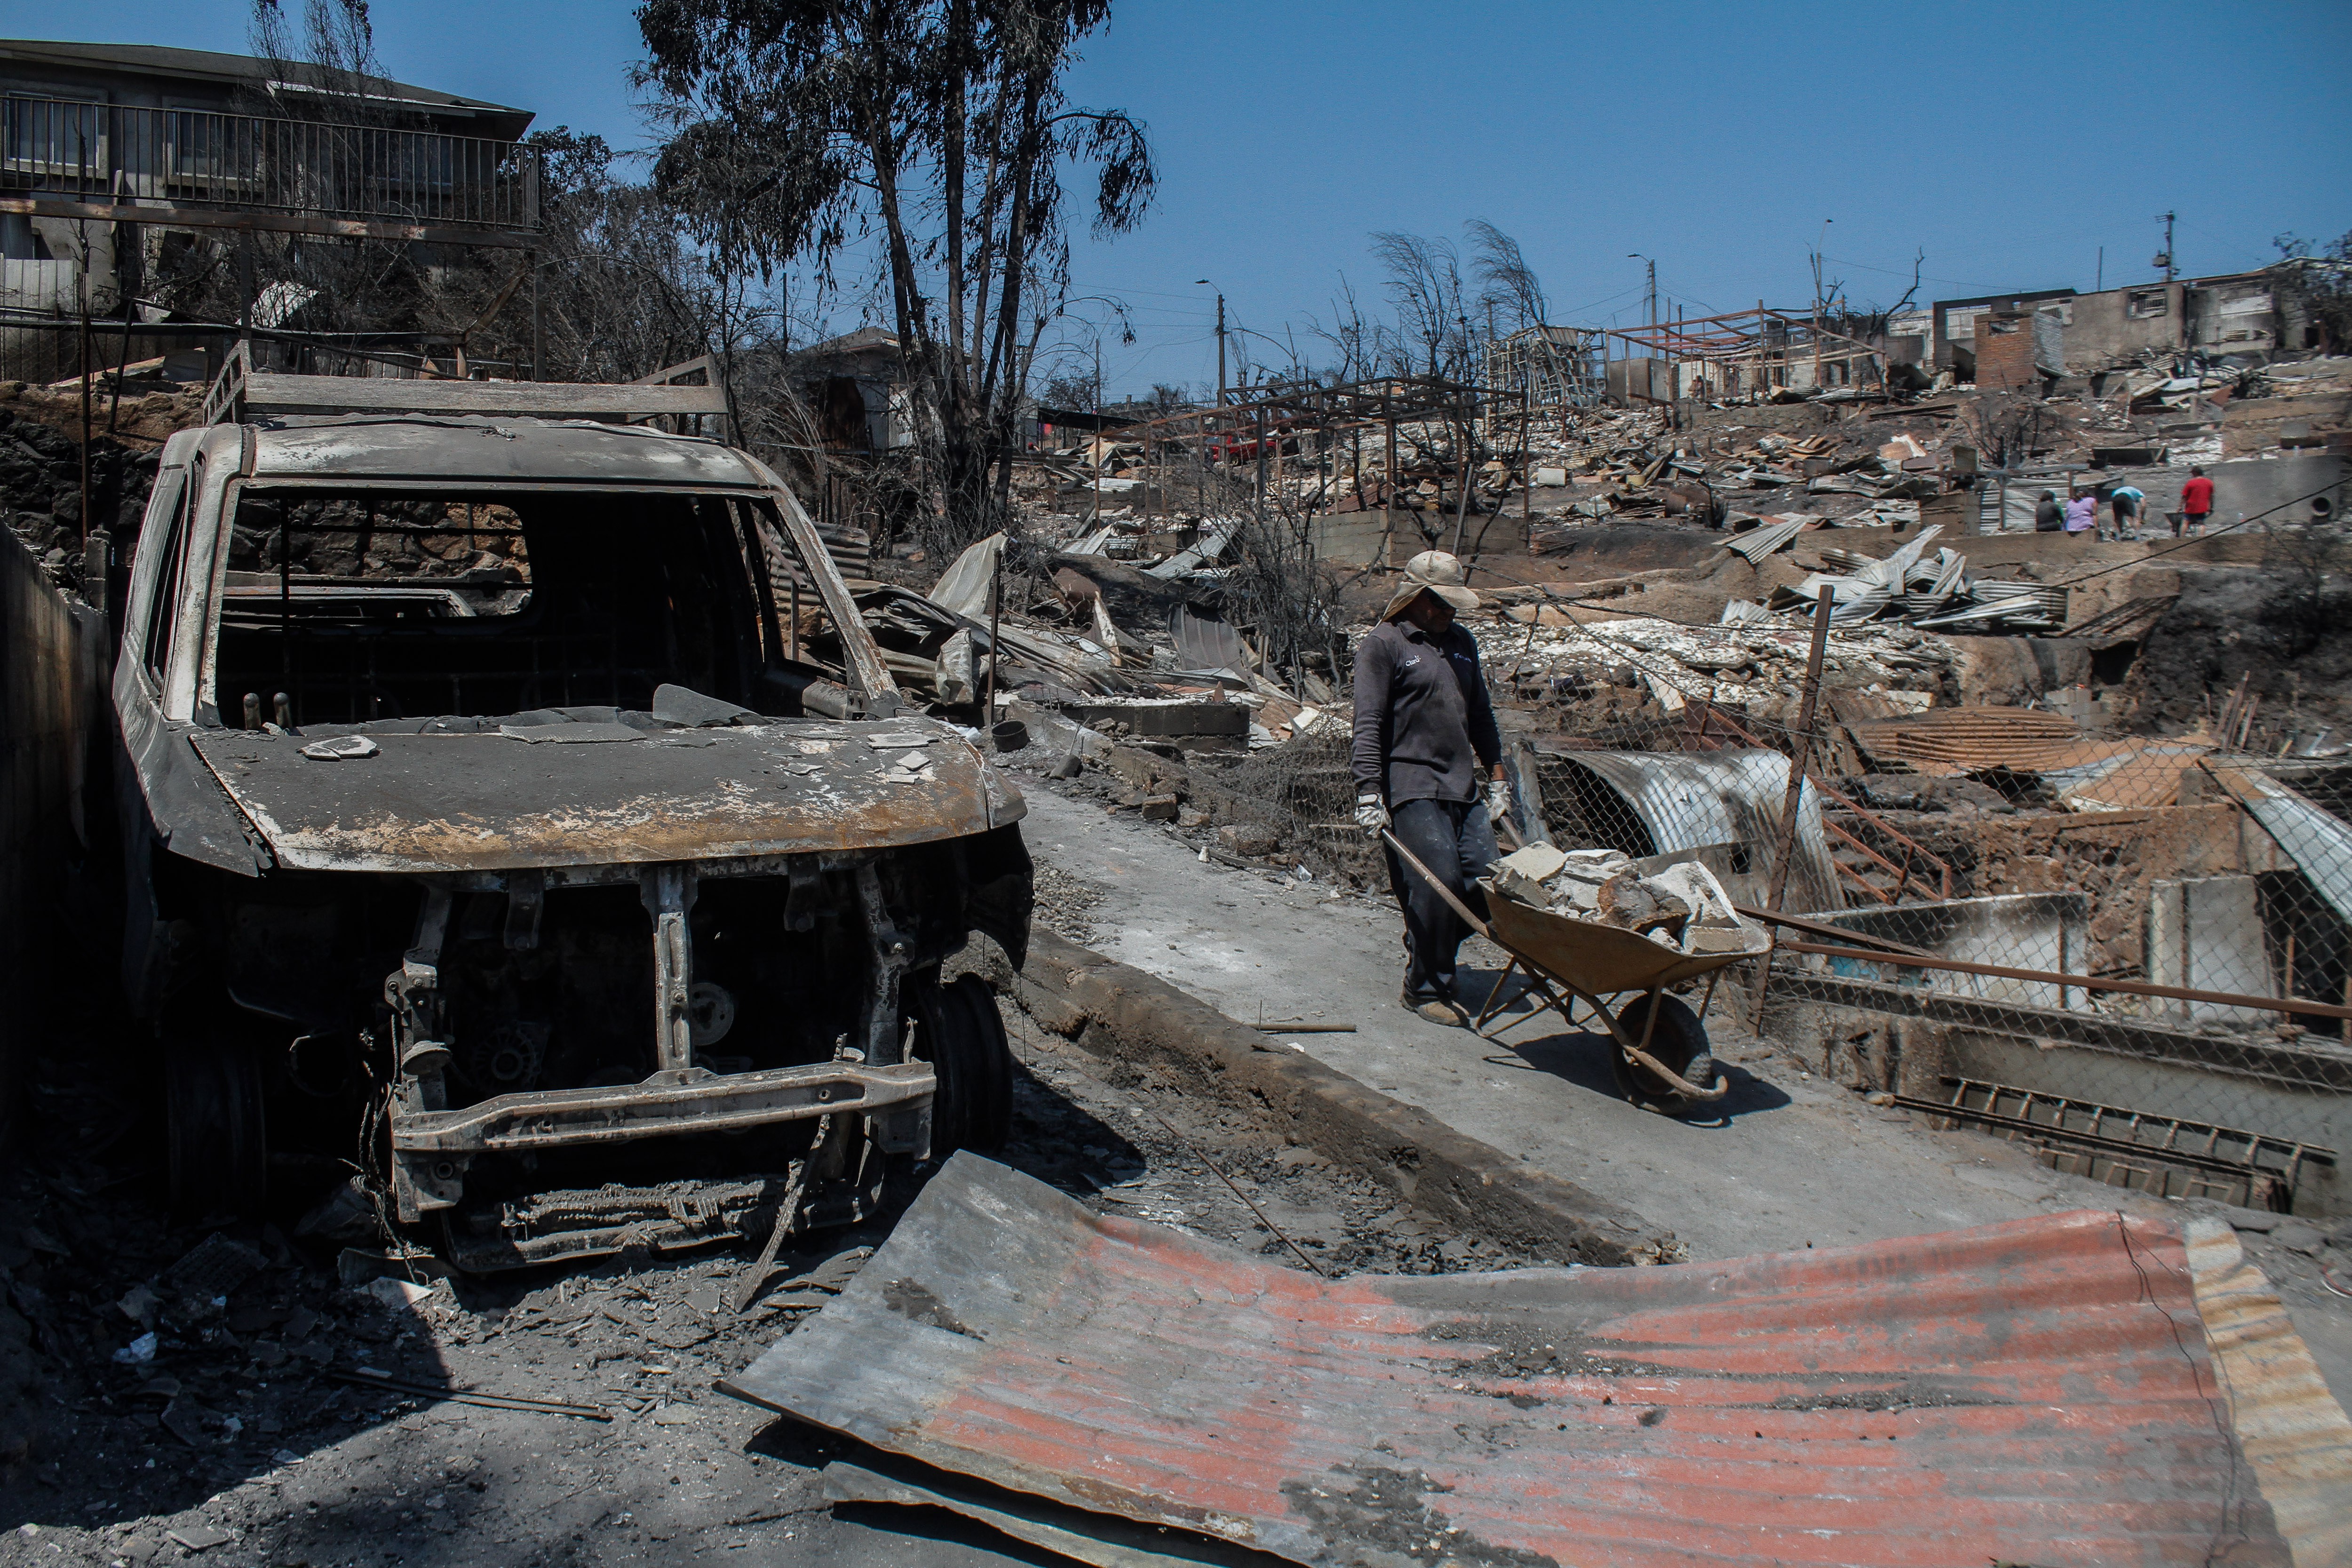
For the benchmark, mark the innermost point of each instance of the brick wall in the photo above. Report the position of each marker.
(2005, 353)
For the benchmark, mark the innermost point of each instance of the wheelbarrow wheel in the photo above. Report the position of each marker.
(1679, 1042)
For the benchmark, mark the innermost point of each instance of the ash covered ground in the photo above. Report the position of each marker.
(250, 1433)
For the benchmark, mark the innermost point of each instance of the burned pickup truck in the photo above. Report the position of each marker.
(516, 807)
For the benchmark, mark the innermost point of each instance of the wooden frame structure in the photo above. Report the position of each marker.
(1748, 351)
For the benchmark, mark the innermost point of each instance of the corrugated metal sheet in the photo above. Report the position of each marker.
(2036, 1391)
(1212, 545)
(1711, 800)
(1967, 739)
(1764, 538)
(2317, 841)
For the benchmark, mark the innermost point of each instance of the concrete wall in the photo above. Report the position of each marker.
(2238, 317)
(2234, 316)
(1955, 320)
(2016, 930)
(2205, 933)
(2116, 325)
(52, 681)
(2258, 484)
(1361, 539)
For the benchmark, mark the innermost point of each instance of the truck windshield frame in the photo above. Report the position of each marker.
(363, 602)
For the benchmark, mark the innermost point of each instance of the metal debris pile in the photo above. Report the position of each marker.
(1909, 584)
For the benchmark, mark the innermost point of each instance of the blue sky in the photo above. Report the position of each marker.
(2011, 140)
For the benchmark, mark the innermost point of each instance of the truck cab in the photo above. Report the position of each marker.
(516, 807)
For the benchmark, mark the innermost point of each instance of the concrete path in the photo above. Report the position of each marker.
(1793, 1162)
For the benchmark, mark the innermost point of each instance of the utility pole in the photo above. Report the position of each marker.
(1218, 422)
(1818, 259)
(1221, 339)
(1220, 348)
(1648, 387)
(2164, 256)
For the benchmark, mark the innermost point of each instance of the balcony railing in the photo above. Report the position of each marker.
(305, 172)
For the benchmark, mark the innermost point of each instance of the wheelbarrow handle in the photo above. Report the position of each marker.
(1444, 891)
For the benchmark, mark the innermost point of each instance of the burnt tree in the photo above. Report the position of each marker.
(800, 131)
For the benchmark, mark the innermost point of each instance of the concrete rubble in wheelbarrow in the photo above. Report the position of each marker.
(2082, 1387)
(469, 758)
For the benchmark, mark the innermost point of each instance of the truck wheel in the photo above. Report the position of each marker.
(1679, 1041)
(960, 1034)
(216, 1150)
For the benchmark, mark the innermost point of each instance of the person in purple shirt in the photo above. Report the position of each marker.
(1424, 735)
(2082, 516)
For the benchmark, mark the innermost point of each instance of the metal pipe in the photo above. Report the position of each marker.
(995, 620)
(1819, 928)
(2083, 982)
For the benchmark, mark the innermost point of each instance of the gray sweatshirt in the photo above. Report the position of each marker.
(1421, 712)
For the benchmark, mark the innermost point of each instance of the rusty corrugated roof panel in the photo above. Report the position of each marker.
(2037, 1391)
(1969, 738)
(2091, 774)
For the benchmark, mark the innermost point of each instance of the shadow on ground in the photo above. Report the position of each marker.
(1527, 1035)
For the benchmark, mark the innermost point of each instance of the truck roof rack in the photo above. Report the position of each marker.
(240, 394)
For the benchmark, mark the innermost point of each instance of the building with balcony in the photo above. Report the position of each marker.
(112, 154)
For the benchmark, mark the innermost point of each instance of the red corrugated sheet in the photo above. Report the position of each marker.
(2038, 1392)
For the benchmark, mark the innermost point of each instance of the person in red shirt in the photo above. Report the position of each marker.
(2196, 502)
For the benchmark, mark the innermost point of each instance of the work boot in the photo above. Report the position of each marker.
(1439, 1010)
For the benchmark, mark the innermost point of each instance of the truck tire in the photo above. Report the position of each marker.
(1679, 1042)
(216, 1145)
(960, 1032)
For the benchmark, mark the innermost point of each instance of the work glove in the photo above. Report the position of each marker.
(1370, 815)
(1498, 799)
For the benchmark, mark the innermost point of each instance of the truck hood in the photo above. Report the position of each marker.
(602, 795)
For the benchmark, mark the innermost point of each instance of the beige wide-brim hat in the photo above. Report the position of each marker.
(1439, 574)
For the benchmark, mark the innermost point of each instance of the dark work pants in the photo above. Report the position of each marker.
(1455, 839)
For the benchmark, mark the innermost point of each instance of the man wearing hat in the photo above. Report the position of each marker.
(1425, 738)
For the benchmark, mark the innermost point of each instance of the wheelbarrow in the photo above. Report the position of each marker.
(1661, 1062)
